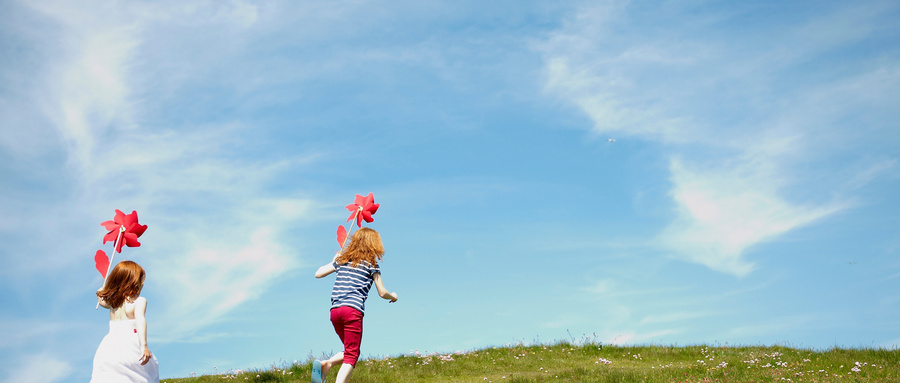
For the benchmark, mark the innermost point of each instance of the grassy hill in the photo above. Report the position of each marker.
(564, 362)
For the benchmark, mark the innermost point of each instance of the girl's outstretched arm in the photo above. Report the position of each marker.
(325, 270)
(382, 292)
(140, 321)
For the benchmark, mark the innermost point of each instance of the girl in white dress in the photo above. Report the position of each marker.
(123, 355)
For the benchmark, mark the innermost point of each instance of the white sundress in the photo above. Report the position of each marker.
(118, 358)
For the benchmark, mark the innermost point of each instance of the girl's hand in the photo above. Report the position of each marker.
(394, 297)
(145, 356)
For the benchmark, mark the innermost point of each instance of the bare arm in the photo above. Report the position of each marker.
(382, 292)
(140, 320)
(326, 270)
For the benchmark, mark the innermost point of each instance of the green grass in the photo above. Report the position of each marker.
(564, 362)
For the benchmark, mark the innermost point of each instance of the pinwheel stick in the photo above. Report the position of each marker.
(113, 256)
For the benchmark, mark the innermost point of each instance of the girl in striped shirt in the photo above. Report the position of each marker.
(357, 268)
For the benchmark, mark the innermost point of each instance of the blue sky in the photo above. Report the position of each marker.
(750, 195)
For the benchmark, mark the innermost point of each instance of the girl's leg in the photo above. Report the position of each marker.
(339, 357)
(331, 362)
(349, 326)
(347, 323)
(343, 375)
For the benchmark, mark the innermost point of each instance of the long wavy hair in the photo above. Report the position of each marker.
(125, 281)
(365, 245)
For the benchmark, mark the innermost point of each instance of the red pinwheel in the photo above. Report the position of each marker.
(128, 226)
(362, 209)
(124, 229)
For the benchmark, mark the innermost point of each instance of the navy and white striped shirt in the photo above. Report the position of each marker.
(351, 287)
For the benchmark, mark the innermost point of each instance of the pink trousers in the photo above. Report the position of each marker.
(348, 325)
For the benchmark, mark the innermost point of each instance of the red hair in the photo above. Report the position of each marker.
(125, 281)
(364, 246)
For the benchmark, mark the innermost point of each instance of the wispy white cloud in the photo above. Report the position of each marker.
(601, 287)
(17, 333)
(873, 171)
(735, 137)
(87, 93)
(723, 212)
(96, 100)
(39, 368)
(214, 279)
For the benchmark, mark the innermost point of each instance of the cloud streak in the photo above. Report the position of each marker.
(216, 279)
(721, 213)
(171, 174)
(720, 106)
(39, 368)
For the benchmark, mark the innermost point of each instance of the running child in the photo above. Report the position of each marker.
(123, 355)
(357, 268)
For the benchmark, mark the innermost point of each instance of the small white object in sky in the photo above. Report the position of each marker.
(611, 140)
